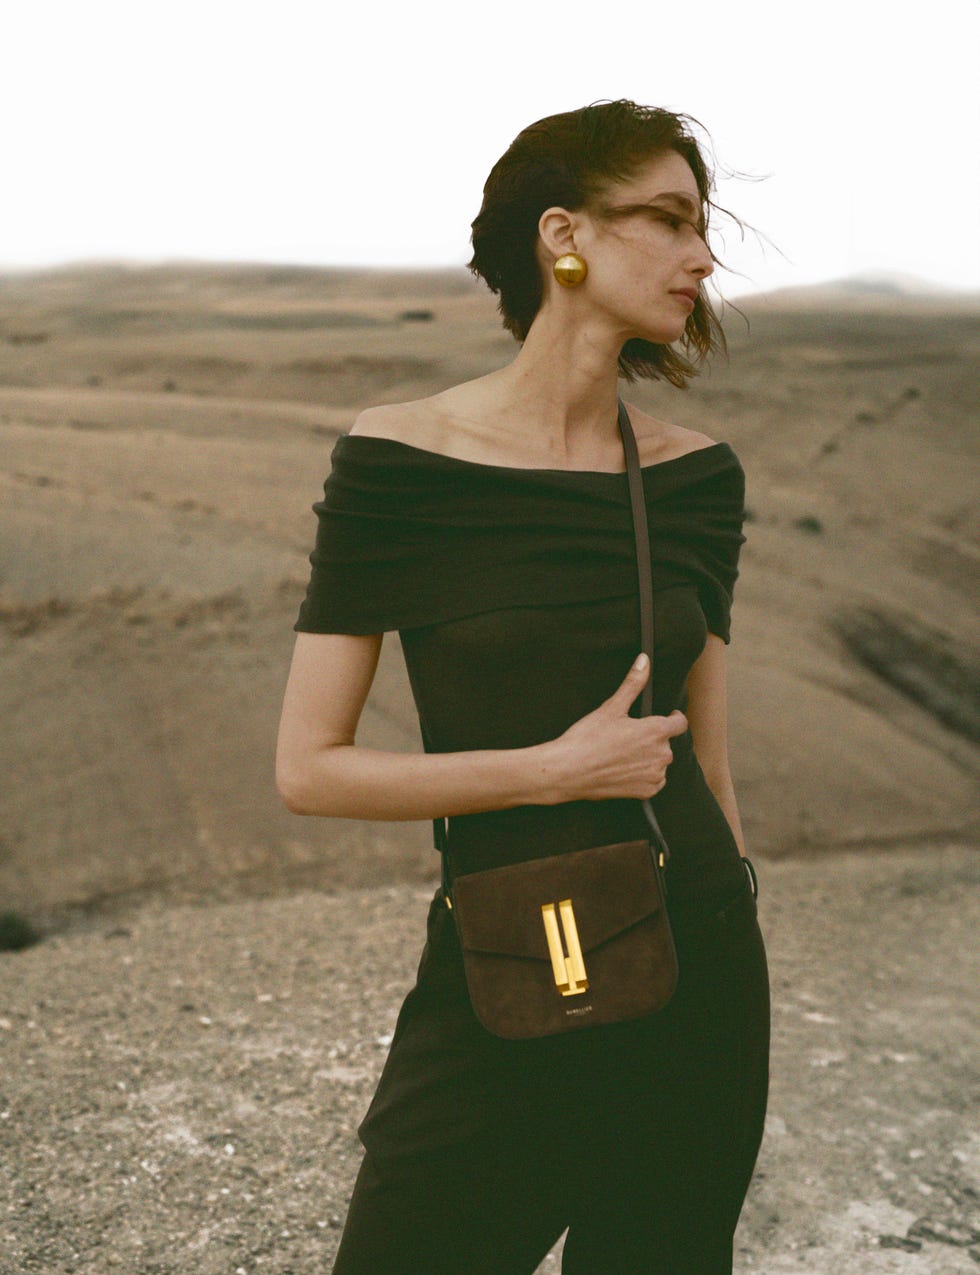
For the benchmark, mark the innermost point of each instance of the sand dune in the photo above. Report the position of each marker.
(165, 431)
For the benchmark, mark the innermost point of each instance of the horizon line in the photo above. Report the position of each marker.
(894, 276)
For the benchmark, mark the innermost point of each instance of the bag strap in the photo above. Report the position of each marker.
(641, 535)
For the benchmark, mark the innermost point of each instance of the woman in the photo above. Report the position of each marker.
(490, 524)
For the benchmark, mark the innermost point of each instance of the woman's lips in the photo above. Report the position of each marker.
(682, 296)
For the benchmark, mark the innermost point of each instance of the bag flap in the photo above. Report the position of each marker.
(612, 888)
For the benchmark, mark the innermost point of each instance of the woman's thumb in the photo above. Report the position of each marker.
(632, 683)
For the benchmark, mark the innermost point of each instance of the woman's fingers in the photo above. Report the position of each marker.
(674, 724)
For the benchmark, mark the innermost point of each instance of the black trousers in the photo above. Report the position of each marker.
(640, 1138)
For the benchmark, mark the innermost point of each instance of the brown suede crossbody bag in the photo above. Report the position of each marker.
(580, 938)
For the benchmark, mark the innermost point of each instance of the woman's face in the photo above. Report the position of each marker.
(642, 246)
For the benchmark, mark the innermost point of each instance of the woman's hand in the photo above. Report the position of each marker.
(609, 754)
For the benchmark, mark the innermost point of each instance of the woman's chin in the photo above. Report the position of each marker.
(661, 333)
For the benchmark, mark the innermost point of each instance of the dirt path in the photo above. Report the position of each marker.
(179, 1085)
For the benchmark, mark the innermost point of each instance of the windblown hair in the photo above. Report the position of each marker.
(569, 160)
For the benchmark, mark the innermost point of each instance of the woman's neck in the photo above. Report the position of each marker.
(565, 381)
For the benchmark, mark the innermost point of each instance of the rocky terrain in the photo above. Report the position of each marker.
(180, 1085)
(185, 1054)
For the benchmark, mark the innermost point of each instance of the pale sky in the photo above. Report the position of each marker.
(361, 133)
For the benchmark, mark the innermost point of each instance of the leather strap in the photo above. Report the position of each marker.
(641, 536)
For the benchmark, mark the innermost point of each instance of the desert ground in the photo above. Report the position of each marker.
(185, 1052)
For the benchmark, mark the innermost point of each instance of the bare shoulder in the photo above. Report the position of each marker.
(442, 422)
(658, 440)
(388, 420)
(422, 422)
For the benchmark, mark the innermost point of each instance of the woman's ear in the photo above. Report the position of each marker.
(557, 227)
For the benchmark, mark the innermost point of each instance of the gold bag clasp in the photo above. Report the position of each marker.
(569, 969)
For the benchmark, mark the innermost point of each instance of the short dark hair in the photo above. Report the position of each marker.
(569, 160)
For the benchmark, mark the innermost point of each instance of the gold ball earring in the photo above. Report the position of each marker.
(570, 270)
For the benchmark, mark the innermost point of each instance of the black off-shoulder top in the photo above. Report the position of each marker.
(514, 593)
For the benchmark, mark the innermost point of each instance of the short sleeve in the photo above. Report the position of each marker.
(338, 597)
(716, 603)
(356, 569)
(721, 515)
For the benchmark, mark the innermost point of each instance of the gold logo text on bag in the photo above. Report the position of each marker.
(569, 969)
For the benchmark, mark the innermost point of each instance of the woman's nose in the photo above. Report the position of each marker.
(702, 264)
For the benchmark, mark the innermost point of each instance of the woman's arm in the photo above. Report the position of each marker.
(321, 771)
(707, 713)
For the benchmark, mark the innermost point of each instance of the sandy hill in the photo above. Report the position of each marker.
(166, 429)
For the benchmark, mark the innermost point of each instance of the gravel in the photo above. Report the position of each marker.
(180, 1084)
